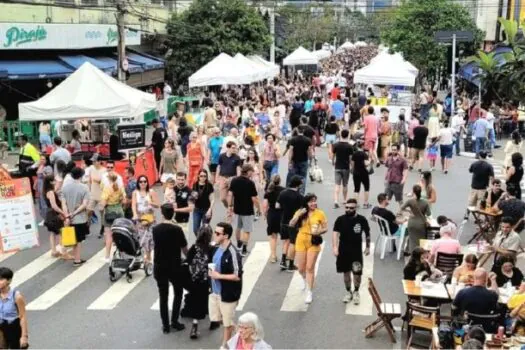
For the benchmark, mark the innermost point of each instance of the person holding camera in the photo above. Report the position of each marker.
(311, 223)
(347, 242)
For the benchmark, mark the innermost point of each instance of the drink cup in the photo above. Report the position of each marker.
(211, 267)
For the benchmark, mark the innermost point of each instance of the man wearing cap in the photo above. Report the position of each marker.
(157, 140)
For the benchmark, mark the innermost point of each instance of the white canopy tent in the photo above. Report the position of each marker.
(385, 58)
(300, 56)
(384, 74)
(261, 72)
(322, 54)
(346, 46)
(88, 93)
(273, 69)
(361, 43)
(223, 70)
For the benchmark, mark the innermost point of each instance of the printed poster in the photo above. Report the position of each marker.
(18, 228)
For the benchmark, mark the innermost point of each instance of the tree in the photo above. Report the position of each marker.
(210, 27)
(413, 25)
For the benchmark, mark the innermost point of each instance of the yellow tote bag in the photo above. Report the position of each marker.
(69, 238)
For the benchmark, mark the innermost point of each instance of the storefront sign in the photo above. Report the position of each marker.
(18, 229)
(131, 136)
(31, 36)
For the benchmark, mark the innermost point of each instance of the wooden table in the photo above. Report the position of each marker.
(487, 221)
(438, 291)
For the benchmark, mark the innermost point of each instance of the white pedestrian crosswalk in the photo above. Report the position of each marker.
(77, 280)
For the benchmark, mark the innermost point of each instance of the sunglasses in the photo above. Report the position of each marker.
(143, 182)
(351, 208)
(203, 175)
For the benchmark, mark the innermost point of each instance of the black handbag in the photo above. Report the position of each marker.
(317, 239)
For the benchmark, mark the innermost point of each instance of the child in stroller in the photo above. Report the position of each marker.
(128, 256)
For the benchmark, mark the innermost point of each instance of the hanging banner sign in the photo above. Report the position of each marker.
(131, 136)
(18, 228)
(34, 36)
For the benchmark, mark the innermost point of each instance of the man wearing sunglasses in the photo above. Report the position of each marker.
(347, 242)
(226, 281)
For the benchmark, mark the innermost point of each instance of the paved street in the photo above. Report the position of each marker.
(81, 308)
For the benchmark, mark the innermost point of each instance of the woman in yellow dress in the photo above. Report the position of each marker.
(311, 223)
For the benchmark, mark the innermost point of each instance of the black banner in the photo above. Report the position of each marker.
(131, 136)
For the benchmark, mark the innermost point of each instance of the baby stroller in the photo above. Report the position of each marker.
(128, 257)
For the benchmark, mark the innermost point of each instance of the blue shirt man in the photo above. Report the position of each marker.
(480, 128)
(338, 109)
(308, 105)
(215, 145)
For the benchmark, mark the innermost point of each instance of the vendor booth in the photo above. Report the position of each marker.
(261, 72)
(347, 45)
(90, 94)
(224, 70)
(392, 73)
(271, 67)
(386, 58)
(300, 57)
(322, 54)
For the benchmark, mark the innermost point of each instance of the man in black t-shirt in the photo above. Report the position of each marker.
(360, 174)
(342, 154)
(289, 201)
(309, 131)
(228, 167)
(169, 241)
(242, 199)
(419, 144)
(301, 150)
(382, 211)
(482, 175)
(182, 199)
(347, 243)
(157, 140)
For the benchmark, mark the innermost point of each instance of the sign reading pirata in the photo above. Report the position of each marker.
(25, 36)
(18, 228)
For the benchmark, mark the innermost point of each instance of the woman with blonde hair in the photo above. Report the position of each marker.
(113, 198)
(250, 334)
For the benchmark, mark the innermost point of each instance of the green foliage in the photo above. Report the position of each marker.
(412, 27)
(503, 82)
(210, 27)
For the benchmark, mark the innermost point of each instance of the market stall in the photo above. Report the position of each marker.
(301, 57)
(386, 58)
(388, 73)
(260, 72)
(272, 68)
(91, 95)
(224, 70)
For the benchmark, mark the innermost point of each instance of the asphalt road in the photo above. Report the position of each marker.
(81, 308)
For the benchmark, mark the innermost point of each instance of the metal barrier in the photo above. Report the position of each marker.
(10, 129)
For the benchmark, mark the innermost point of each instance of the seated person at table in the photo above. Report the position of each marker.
(477, 333)
(477, 299)
(446, 244)
(419, 265)
(516, 305)
(493, 196)
(512, 207)
(465, 272)
(507, 242)
(447, 224)
(472, 344)
(506, 271)
(394, 222)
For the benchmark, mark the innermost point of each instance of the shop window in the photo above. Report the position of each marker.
(89, 2)
(65, 1)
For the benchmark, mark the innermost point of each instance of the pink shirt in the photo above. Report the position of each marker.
(371, 123)
(411, 126)
(446, 245)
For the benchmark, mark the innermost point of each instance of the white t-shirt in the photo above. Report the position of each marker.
(457, 122)
(105, 180)
(490, 119)
(446, 136)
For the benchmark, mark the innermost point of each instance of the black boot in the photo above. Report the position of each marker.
(194, 333)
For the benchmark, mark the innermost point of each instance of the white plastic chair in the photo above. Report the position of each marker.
(384, 236)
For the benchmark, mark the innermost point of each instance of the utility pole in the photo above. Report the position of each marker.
(453, 92)
(272, 33)
(121, 48)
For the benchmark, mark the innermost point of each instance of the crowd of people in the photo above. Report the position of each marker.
(233, 160)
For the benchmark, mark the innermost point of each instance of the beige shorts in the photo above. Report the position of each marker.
(224, 183)
(94, 204)
(219, 310)
(475, 196)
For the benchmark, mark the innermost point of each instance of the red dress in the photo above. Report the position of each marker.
(195, 159)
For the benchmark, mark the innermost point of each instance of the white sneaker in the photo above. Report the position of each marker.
(356, 298)
(347, 298)
(107, 260)
(41, 223)
(305, 285)
(309, 297)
